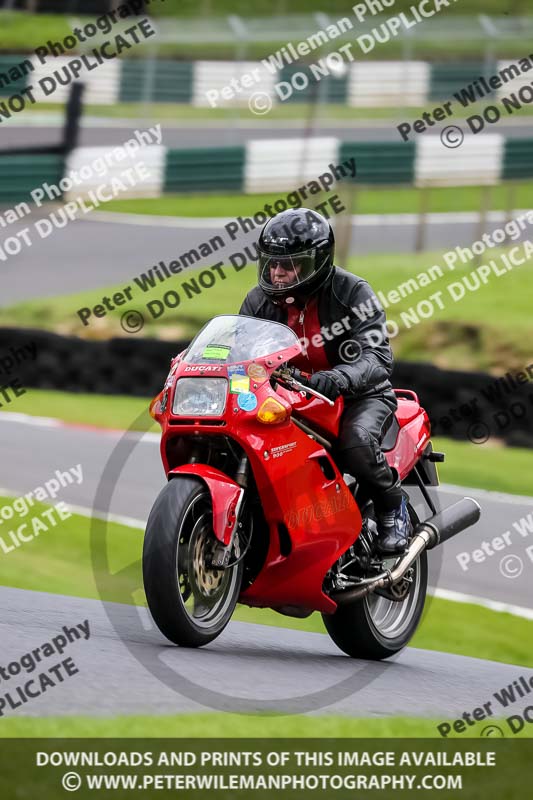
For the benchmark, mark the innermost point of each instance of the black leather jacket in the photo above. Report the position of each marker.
(365, 374)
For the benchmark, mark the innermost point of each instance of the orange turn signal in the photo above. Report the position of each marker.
(271, 412)
(154, 410)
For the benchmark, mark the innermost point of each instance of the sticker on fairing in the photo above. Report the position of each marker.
(219, 352)
(238, 384)
(257, 372)
(235, 369)
(247, 401)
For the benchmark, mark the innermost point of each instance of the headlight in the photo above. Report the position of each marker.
(200, 397)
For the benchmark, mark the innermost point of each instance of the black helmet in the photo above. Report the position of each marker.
(296, 251)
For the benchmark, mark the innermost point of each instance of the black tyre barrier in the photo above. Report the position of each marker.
(461, 405)
(88, 7)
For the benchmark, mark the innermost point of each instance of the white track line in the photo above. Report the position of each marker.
(56, 119)
(83, 511)
(52, 422)
(130, 522)
(155, 438)
(368, 220)
(492, 605)
(120, 519)
(500, 497)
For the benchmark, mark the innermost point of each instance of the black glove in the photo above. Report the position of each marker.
(327, 383)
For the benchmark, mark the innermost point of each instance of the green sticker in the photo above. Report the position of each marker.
(216, 351)
(239, 384)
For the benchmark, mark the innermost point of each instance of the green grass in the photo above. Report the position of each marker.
(367, 201)
(478, 333)
(189, 8)
(220, 726)
(486, 466)
(59, 559)
(24, 31)
(179, 113)
(104, 562)
(327, 114)
(103, 411)
(452, 627)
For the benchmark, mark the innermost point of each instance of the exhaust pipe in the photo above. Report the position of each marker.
(429, 534)
(451, 521)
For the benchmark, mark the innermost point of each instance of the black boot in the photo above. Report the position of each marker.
(394, 523)
(394, 530)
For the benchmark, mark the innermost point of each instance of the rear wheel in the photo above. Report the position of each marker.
(190, 602)
(376, 627)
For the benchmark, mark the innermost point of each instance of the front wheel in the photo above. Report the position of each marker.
(376, 627)
(191, 603)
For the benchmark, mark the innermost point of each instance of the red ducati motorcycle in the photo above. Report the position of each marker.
(255, 510)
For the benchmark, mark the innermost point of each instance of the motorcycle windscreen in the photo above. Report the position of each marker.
(231, 339)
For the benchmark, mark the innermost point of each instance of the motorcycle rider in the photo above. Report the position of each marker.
(340, 322)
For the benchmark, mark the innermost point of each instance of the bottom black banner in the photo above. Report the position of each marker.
(288, 768)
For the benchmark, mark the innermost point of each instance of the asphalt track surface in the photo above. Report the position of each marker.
(109, 132)
(253, 667)
(107, 249)
(32, 453)
(264, 668)
(99, 251)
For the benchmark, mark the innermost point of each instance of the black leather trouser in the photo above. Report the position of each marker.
(358, 452)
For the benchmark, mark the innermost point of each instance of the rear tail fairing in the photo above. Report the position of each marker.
(413, 435)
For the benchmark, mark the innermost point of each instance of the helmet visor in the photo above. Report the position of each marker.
(278, 273)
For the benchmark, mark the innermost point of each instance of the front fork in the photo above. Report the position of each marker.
(222, 552)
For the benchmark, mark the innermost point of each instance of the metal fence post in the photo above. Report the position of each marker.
(240, 30)
(511, 202)
(486, 194)
(73, 111)
(491, 34)
(149, 78)
(423, 211)
(343, 232)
